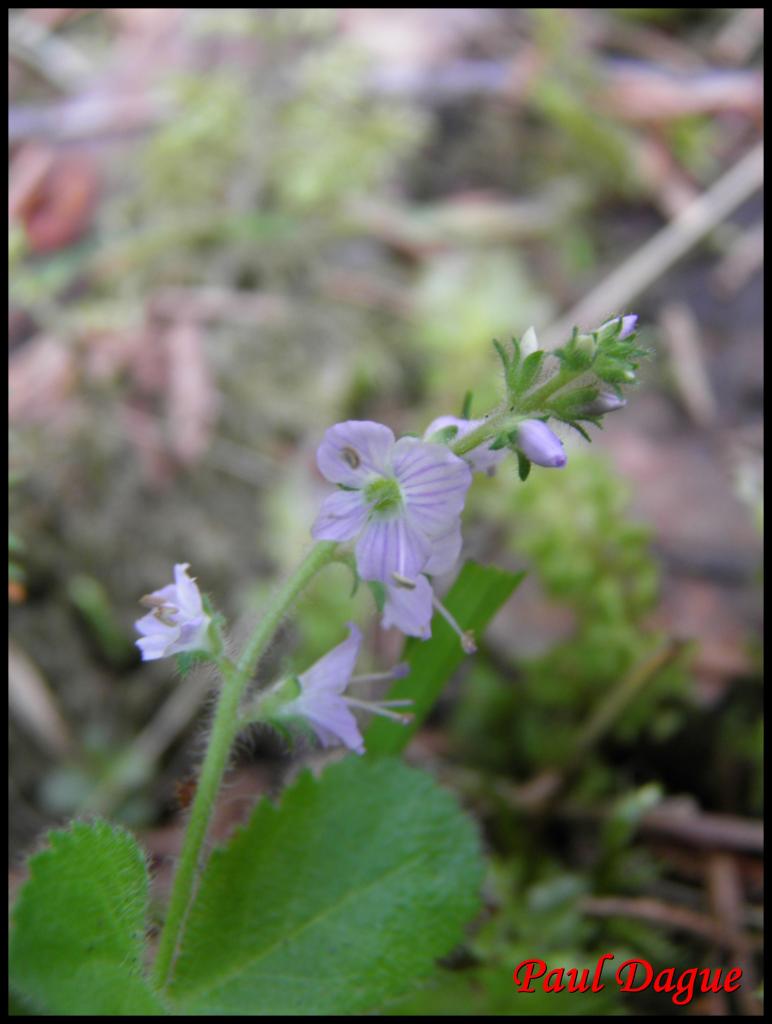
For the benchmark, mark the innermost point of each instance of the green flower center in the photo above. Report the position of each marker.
(384, 494)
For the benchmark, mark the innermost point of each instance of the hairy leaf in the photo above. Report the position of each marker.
(333, 902)
(79, 926)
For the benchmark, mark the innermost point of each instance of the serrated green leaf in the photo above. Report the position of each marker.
(79, 926)
(474, 599)
(335, 901)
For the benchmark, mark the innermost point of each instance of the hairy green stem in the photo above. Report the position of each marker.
(224, 728)
(540, 396)
(508, 417)
(485, 432)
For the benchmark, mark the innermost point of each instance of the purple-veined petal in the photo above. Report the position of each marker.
(389, 546)
(341, 516)
(445, 551)
(354, 451)
(434, 483)
(409, 610)
(332, 721)
(331, 673)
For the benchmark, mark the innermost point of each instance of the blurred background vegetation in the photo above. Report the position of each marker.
(231, 228)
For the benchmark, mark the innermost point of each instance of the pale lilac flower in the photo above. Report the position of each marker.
(629, 323)
(398, 499)
(539, 444)
(481, 459)
(177, 621)
(321, 701)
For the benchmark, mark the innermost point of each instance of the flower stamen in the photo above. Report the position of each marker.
(465, 636)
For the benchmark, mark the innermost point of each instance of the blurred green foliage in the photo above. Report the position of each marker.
(589, 557)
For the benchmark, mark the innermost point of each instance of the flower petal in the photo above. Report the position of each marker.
(434, 483)
(354, 451)
(331, 673)
(409, 610)
(341, 516)
(192, 635)
(151, 625)
(188, 595)
(389, 546)
(154, 645)
(445, 551)
(331, 720)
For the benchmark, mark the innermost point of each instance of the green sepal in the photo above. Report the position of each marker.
(580, 429)
(444, 435)
(522, 375)
(506, 361)
(616, 373)
(569, 406)
(466, 407)
(574, 356)
(499, 442)
(523, 466)
(188, 660)
(379, 593)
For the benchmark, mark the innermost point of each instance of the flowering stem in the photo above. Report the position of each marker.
(487, 430)
(224, 728)
(538, 398)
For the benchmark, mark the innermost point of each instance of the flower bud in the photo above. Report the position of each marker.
(606, 401)
(539, 444)
(529, 343)
(629, 323)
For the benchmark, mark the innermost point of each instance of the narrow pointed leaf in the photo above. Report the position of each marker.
(475, 597)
